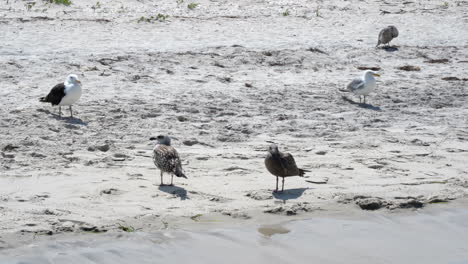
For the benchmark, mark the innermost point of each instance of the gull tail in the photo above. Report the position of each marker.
(302, 172)
(43, 99)
(179, 173)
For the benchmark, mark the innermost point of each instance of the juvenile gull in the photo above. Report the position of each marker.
(66, 93)
(166, 158)
(364, 85)
(281, 165)
(386, 35)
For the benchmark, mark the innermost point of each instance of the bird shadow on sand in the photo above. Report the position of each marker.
(289, 194)
(174, 190)
(362, 105)
(67, 119)
(75, 121)
(390, 48)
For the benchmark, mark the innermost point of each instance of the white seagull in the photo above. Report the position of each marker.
(66, 93)
(363, 86)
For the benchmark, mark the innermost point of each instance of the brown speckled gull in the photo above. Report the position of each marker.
(166, 158)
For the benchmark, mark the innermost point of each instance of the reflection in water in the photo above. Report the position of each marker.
(419, 238)
(270, 230)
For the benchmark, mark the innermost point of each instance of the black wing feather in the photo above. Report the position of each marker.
(55, 95)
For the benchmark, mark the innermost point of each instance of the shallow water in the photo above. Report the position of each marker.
(436, 237)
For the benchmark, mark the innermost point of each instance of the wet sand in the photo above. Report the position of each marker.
(437, 236)
(222, 79)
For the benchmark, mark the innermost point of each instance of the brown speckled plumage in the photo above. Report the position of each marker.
(281, 165)
(166, 158)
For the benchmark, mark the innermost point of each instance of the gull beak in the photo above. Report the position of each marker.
(78, 81)
(376, 74)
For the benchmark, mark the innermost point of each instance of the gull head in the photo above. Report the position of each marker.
(162, 139)
(273, 149)
(72, 79)
(370, 74)
(394, 31)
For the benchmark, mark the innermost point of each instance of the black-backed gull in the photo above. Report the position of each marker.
(63, 94)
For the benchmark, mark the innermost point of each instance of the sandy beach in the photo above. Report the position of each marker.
(222, 78)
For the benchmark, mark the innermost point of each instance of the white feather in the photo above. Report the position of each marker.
(72, 91)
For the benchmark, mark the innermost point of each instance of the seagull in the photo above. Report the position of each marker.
(66, 93)
(386, 35)
(166, 158)
(281, 165)
(362, 86)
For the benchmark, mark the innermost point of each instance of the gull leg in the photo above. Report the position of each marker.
(162, 184)
(364, 99)
(60, 111)
(172, 178)
(71, 112)
(277, 178)
(282, 188)
(359, 99)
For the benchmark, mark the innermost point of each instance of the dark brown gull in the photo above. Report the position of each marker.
(281, 165)
(386, 35)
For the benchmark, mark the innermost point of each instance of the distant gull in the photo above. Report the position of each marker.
(363, 86)
(66, 93)
(281, 165)
(166, 158)
(386, 35)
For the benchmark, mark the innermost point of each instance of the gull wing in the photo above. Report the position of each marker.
(55, 95)
(289, 164)
(355, 85)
